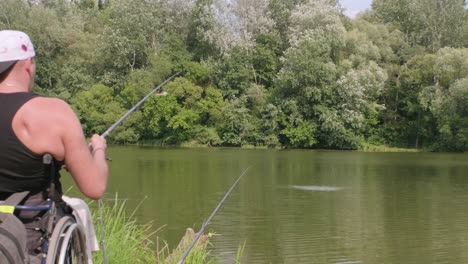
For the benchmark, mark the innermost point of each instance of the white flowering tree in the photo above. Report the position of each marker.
(131, 33)
(309, 71)
(446, 100)
(176, 16)
(432, 23)
(358, 92)
(237, 23)
(333, 75)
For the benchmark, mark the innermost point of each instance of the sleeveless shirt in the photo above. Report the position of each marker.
(20, 168)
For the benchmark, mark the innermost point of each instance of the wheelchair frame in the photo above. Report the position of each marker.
(65, 241)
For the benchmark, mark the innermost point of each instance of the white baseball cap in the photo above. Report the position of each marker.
(14, 46)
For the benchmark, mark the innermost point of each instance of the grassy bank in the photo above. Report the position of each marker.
(383, 148)
(128, 242)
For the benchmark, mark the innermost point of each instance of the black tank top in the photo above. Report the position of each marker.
(20, 168)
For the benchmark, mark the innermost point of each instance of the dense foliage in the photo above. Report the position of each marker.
(273, 73)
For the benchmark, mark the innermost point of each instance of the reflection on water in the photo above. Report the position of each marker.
(316, 188)
(304, 206)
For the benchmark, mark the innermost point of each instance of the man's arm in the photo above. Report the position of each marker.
(87, 166)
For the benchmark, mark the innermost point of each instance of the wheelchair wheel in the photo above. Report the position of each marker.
(67, 244)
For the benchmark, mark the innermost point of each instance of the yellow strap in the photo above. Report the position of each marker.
(8, 209)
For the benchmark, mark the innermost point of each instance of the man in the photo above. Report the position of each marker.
(31, 126)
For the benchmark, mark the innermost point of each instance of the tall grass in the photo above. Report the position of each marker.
(128, 242)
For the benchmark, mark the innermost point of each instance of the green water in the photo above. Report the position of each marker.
(303, 206)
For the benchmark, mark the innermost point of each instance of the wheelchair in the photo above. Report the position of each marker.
(64, 241)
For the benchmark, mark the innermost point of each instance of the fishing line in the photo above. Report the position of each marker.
(106, 133)
(182, 259)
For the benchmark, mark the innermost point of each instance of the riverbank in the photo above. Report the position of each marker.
(384, 148)
(130, 242)
(365, 147)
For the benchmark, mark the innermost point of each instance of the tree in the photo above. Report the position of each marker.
(187, 93)
(358, 94)
(295, 131)
(415, 123)
(64, 50)
(210, 110)
(373, 51)
(430, 23)
(451, 65)
(270, 118)
(309, 72)
(98, 111)
(266, 59)
(157, 113)
(281, 14)
(201, 21)
(132, 32)
(446, 100)
(233, 74)
(238, 127)
(12, 13)
(175, 16)
(237, 23)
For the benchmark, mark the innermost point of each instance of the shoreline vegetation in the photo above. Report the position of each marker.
(366, 147)
(383, 148)
(133, 243)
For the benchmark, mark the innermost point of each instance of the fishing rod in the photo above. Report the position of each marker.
(182, 259)
(107, 132)
(111, 128)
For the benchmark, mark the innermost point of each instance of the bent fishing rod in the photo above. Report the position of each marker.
(106, 133)
(202, 229)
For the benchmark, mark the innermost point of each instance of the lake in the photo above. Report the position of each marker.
(302, 206)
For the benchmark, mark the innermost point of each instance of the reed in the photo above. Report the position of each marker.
(128, 242)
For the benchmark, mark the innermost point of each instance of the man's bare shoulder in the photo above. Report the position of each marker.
(47, 110)
(53, 105)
